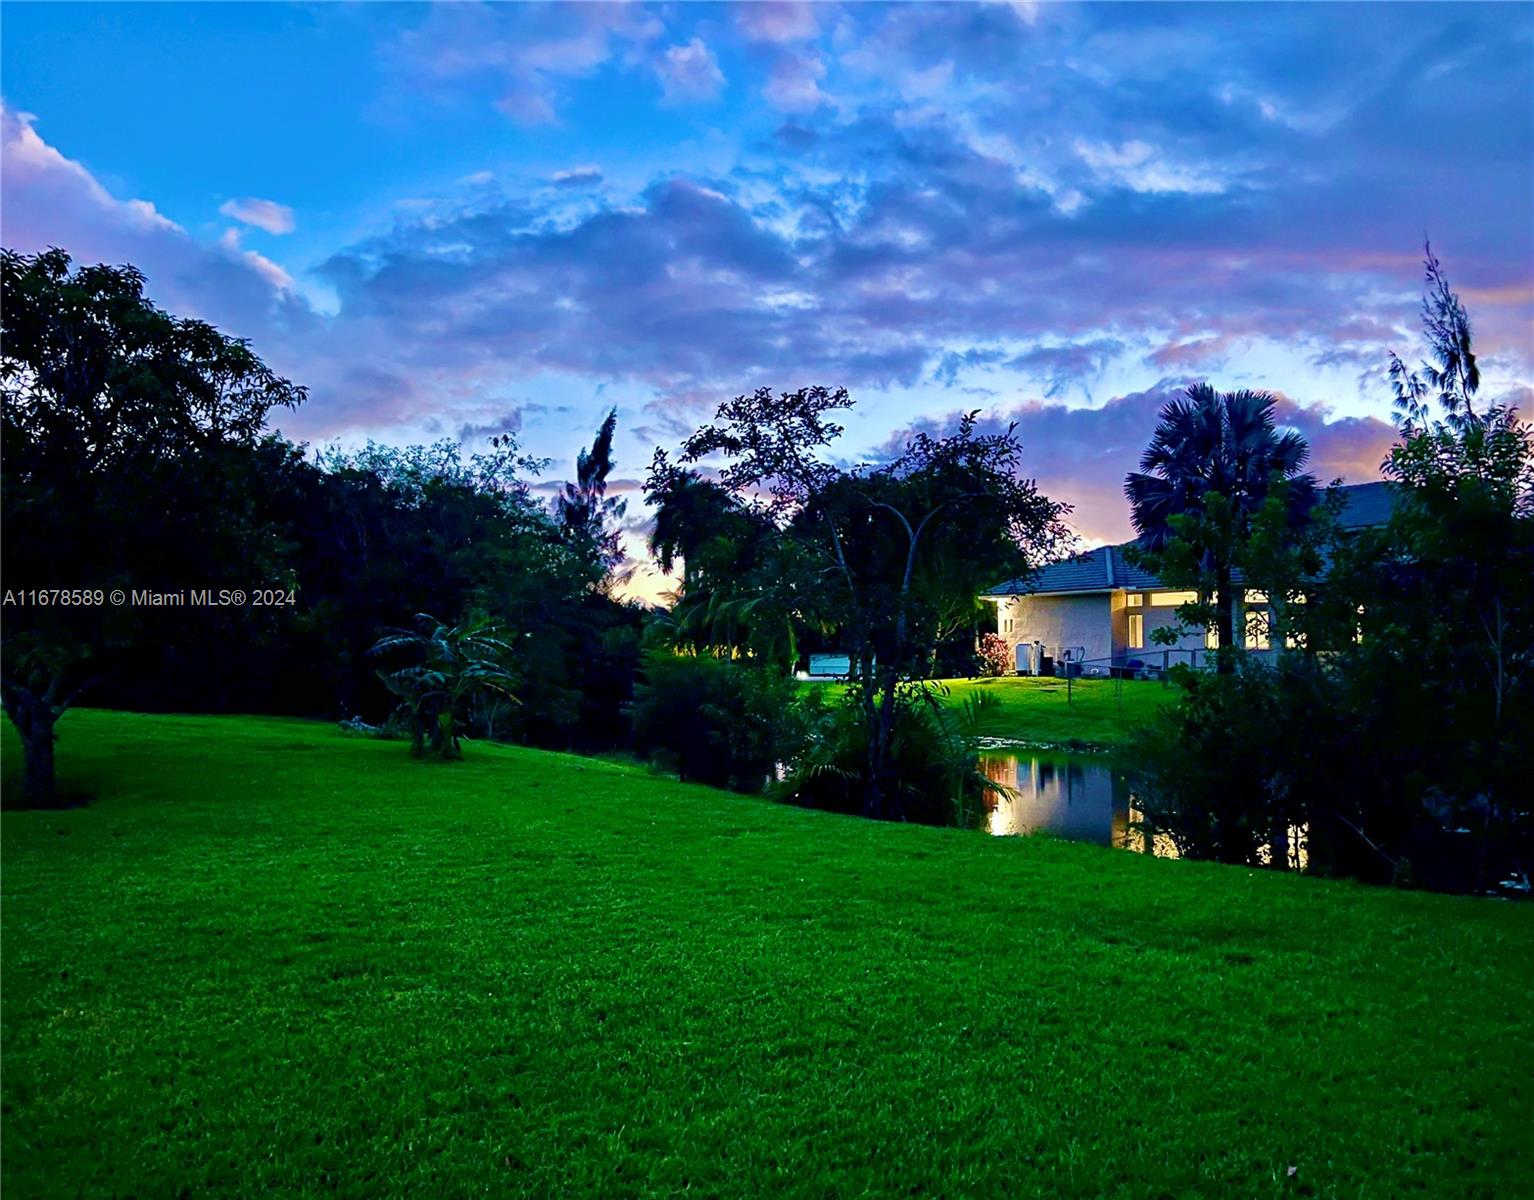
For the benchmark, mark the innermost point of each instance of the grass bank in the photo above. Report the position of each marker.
(1091, 713)
(272, 960)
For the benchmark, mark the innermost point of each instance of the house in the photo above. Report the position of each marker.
(1094, 613)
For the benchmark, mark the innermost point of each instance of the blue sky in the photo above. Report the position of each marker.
(452, 220)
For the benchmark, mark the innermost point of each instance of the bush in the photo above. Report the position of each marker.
(1351, 751)
(936, 753)
(1208, 769)
(996, 657)
(714, 720)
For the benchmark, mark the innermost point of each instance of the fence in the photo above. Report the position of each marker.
(1127, 664)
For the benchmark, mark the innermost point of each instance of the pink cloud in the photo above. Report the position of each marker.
(263, 214)
(778, 21)
(1081, 455)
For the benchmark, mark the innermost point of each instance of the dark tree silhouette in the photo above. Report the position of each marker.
(1453, 377)
(1210, 443)
(588, 516)
(879, 553)
(127, 439)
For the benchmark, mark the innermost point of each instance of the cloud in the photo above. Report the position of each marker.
(1139, 166)
(1204, 352)
(789, 21)
(1071, 367)
(37, 174)
(263, 214)
(523, 54)
(52, 200)
(1107, 217)
(794, 84)
(508, 420)
(262, 265)
(1081, 455)
(588, 175)
(689, 72)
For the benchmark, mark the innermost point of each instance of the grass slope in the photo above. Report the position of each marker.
(273, 960)
(1092, 712)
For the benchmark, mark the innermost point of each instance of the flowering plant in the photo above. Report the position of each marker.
(995, 654)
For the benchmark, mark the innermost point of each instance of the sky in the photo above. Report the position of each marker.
(460, 220)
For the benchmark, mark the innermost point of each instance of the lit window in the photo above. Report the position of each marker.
(1134, 599)
(1172, 599)
(1256, 597)
(1211, 638)
(1256, 630)
(1136, 631)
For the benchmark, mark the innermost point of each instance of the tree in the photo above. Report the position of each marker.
(880, 553)
(127, 437)
(586, 514)
(693, 515)
(1452, 377)
(1459, 584)
(454, 663)
(1211, 461)
(1397, 731)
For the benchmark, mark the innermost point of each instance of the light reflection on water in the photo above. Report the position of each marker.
(1071, 796)
(1081, 798)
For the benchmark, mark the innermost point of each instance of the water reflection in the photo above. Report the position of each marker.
(1071, 796)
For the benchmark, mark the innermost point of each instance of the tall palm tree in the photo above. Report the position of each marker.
(1217, 443)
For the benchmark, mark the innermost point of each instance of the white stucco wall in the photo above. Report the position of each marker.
(1097, 621)
(1059, 622)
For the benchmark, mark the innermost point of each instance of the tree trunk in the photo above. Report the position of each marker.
(1278, 849)
(873, 800)
(1225, 624)
(34, 717)
(40, 789)
(883, 779)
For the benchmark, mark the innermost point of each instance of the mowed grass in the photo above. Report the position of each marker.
(270, 960)
(1100, 713)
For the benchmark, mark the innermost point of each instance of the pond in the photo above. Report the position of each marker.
(1075, 796)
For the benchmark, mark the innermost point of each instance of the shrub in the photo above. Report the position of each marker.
(1207, 770)
(996, 657)
(936, 752)
(453, 665)
(1351, 751)
(715, 720)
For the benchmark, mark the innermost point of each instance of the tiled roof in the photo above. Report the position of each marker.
(1105, 568)
(1366, 504)
(1099, 570)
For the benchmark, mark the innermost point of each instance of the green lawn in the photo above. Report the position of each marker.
(270, 960)
(1091, 712)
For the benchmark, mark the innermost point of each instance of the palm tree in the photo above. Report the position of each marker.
(1211, 443)
(455, 662)
(690, 511)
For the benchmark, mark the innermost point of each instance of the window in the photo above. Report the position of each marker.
(1172, 599)
(1134, 599)
(1211, 638)
(1257, 629)
(1136, 631)
(1256, 597)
